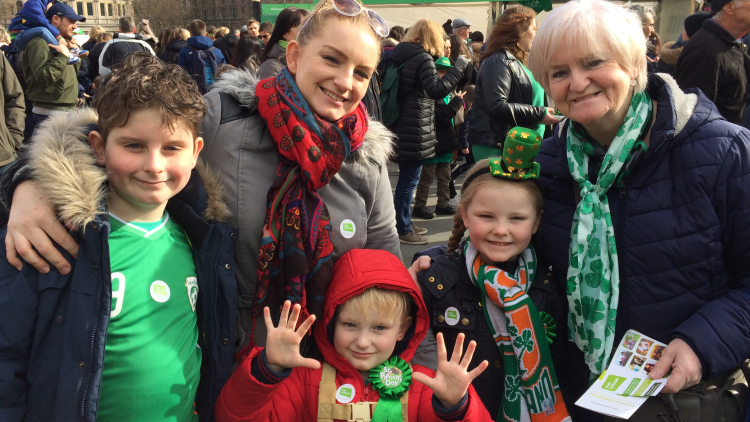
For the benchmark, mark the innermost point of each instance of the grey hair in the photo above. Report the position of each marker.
(596, 28)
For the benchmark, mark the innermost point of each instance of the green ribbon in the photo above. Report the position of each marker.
(550, 328)
(392, 379)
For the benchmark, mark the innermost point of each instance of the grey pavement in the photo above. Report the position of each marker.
(439, 228)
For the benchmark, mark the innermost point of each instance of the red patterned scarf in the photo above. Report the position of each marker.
(295, 262)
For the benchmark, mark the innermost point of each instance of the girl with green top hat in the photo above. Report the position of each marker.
(493, 288)
(506, 93)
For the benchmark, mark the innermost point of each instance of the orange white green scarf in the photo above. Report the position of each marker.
(531, 390)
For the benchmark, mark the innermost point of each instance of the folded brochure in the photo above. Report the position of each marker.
(625, 385)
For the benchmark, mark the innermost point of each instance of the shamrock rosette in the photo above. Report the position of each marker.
(391, 379)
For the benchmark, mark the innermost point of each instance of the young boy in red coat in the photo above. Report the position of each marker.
(374, 319)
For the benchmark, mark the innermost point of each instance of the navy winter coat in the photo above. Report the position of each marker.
(681, 227)
(53, 327)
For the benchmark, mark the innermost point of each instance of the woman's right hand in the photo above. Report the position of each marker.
(550, 118)
(33, 225)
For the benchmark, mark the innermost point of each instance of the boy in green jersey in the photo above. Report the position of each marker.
(142, 328)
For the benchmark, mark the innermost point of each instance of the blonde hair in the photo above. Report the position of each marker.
(221, 32)
(595, 27)
(4, 36)
(467, 194)
(313, 24)
(428, 35)
(95, 31)
(392, 304)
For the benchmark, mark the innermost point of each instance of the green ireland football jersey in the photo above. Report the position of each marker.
(151, 358)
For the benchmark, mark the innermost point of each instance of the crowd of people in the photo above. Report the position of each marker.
(200, 225)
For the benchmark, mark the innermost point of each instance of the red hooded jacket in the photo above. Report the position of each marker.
(295, 398)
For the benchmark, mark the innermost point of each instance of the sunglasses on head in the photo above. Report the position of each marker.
(353, 8)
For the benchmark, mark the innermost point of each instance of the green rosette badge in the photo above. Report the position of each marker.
(391, 379)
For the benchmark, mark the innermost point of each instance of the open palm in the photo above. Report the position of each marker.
(282, 342)
(452, 378)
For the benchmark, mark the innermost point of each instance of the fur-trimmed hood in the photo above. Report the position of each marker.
(376, 148)
(64, 166)
(669, 53)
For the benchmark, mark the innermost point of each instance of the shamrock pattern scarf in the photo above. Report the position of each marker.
(593, 274)
(531, 390)
(294, 262)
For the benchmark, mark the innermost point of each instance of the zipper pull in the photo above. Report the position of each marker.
(622, 193)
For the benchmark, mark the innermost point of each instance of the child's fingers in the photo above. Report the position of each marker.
(442, 353)
(310, 363)
(292, 322)
(458, 349)
(267, 318)
(469, 354)
(423, 379)
(478, 370)
(284, 313)
(306, 325)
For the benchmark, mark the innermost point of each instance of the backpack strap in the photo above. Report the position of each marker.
(329, 410)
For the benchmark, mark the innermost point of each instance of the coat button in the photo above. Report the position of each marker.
(81, 364)
(225, 341)
(440, 287)
(227, 267)
(480, 304)
(441, 318)
(546, 281)
(465, 321)
(233, 236)
(95, 225)
(497, 364)
(549, 274)
(58, 320)
(431, 279)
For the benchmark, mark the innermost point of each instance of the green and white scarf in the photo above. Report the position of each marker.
(532, 393)
(593, 275)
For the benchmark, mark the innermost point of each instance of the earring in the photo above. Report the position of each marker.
(632, 83)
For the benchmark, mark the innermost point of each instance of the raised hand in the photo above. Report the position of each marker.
(452, 379)
(282, 342)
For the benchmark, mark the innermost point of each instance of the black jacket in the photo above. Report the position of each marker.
(121, 46)
(445, 131)
(226, 44)
(717, 64)
(668, 56)
(502, 100)
(419, 87)
(172, 51)
(93, 59)
(447, 284)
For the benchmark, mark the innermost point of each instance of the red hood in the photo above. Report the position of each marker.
(356, 271)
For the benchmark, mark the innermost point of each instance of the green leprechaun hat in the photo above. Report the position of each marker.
(519, 154)
(443, 63)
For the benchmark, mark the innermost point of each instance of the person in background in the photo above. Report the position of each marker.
(477, 41)
(459, 48)
(211, 32)
(420, 86)
(246, 54)
(122, 44)
(96, 52)
(243, 31)
(671, 51)
(646, 16)
(176, 41)
(715, 62)
(507, 95)
(144, 29)
(264, 33)
(447, 27)
(4, 37)
(12, 120)
(287, 25)
(164, 39)
(226, 44)
(93, 32)
(220, 32)
(447, 143)
(253, 28)
(200, 58)
(462, 28)
(387, 45)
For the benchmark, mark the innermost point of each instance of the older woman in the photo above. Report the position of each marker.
(660, 241)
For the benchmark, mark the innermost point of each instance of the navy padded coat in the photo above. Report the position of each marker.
(681, 226)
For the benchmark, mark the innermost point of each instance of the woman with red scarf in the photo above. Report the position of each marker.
(303, 167)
